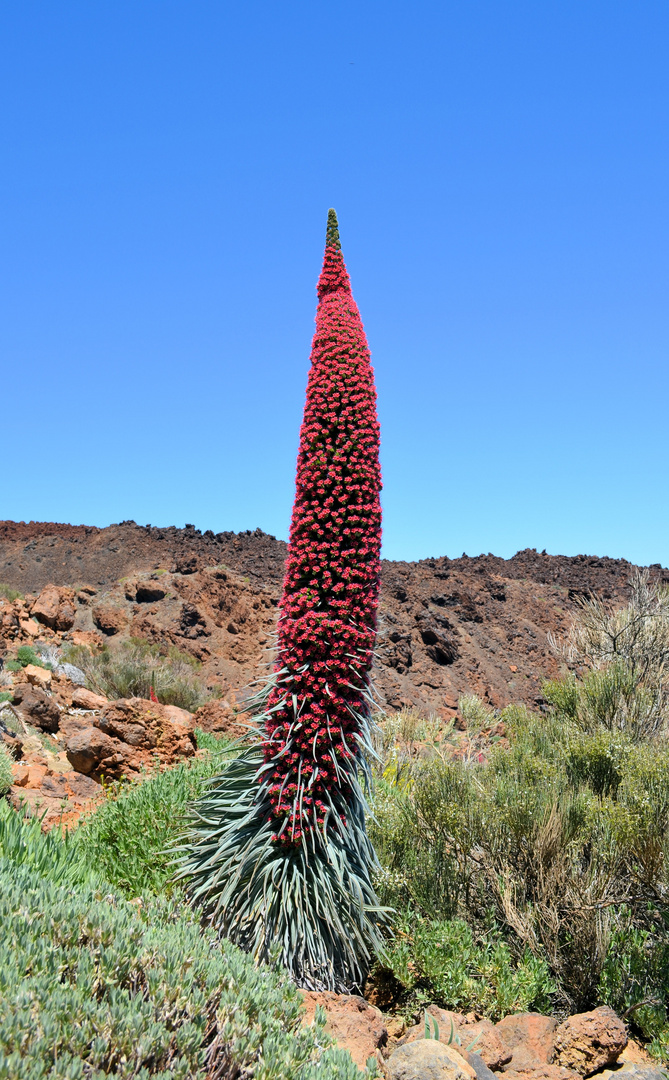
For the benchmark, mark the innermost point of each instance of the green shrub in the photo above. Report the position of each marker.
(25, 655)
(441, 962)
(9, 593)
(635, 975)
(551, 838)
(92, 985)
(5, 769)
(130, 668)
(128, 837)
(624, 652)
(475, 713)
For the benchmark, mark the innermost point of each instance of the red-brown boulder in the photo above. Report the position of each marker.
(219, 717)
(54, 607)
(529, 1039)
(86, 699)
(38, 708)
(352, 1023)
(589, 1041)
(89, 750)
(167, 731)
(110, 620)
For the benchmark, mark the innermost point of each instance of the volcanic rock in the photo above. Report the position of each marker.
(590, 1041)
(528, 1037)
(425, 1059)
(37, 676)
(86, 699)
(109, 619)
(165, 730)
(54, 607)
(352, 1023)
(38, 707)
(89, 748)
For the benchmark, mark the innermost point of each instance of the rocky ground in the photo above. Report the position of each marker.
(523, 1046)
(65, 740)
(446, 626)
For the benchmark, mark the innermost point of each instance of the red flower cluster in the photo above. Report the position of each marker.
(327, 626)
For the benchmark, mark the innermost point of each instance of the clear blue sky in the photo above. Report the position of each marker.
(501, 173)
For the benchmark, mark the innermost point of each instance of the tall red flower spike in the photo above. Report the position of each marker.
(327, 626)
(278, 853)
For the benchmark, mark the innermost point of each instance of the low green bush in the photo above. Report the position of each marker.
(128, 837)
(5, 769)
(25, 655)
(9, 593)
(442, 962)
(131, 668)
(549, 840)
(635, 975)
(92, 985)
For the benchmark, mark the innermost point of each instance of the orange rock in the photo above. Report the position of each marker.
(479, 1036)
(36, 774)
(109, 619)
(54, 607)
(20, 773)
(220, 717)
(590, 1041)
(38, 676)
(352, 1023)
(529, 1038)
(86, 699)
(88, 638)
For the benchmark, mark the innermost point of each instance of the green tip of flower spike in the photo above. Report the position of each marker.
(332, 231)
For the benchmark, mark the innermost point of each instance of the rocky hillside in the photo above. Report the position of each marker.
(446, 626)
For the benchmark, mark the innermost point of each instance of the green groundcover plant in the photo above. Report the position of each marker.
(92, 985)
(131, 836)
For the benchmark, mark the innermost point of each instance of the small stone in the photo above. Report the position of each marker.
(424, 1059)
(38, 676)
